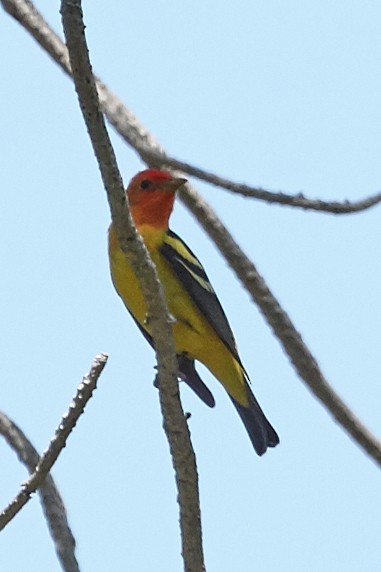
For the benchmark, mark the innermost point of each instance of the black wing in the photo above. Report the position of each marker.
(192, 276)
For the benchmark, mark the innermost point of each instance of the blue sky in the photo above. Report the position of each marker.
(285, 95)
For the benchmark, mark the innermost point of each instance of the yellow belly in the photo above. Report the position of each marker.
(192, 333)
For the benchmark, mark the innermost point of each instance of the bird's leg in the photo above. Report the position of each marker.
(156, 383)
(147, 319)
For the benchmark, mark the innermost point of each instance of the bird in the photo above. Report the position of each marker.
(200, 327)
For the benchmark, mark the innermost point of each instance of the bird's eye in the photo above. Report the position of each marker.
(145, 184)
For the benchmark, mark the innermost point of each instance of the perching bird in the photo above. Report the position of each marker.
(200, 328)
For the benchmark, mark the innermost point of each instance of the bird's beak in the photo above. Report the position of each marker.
(172, 185)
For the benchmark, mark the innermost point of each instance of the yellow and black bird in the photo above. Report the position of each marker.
(200, 329)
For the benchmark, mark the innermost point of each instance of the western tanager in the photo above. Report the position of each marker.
(200, 328)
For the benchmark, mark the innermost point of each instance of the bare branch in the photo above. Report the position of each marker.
(126, 124)
(66, 426)
(298, 201)
(51, 499)
(292, 342)
(30, 18)
(175, 424)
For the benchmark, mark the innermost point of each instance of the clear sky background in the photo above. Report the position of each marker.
(285, 95)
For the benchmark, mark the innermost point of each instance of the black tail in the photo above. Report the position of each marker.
(261, 433)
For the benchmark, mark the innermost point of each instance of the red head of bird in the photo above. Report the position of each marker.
(151, 194)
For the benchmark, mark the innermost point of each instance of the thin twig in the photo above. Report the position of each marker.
(66, 426)
(51, 499)
(297, 201)
(175, 424)
(126, 124)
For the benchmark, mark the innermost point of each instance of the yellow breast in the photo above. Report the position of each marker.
(193, 335)
(189, 324)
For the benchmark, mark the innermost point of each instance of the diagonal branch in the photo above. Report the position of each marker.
(142, 141)
(66, 426)
(175, 424)
(51, 499)
(291, 340)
